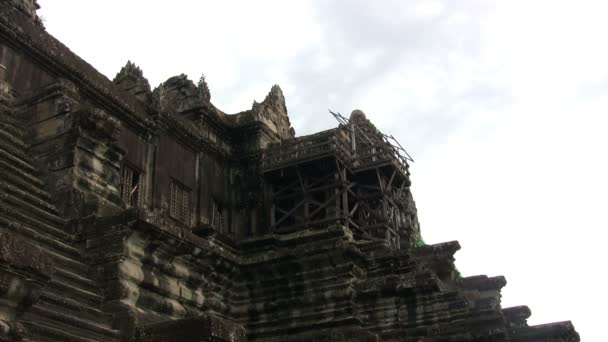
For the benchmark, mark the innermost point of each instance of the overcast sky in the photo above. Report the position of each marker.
(503, 105)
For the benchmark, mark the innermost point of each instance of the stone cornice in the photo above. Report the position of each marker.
(47, 51)
(242, 253)
(61, 61)
(189, 135)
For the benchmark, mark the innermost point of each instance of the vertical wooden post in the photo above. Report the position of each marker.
(353, 141)
(269, 204)
(303, 186)
(344, 189)
(272, 216)
(337, 193)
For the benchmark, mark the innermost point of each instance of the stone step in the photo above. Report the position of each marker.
(68, 263)
(8, 167)
(44, 332)
(61, 302)
(49, 242)
(30, 185)
(81, 281)
(66, 289)
(70, 322)
(38, 229)
(13, 137)
(43, 212)
(318, 313)
(12, 130)
(15, 145)
(39, 226)
(10, 155)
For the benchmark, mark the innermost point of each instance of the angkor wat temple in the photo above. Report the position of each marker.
(132, 214)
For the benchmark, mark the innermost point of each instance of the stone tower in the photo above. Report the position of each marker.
(136, 214)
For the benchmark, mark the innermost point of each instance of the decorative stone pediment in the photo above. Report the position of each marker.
(131, 80)
(179, 94)
(273, 112)
(100, 124)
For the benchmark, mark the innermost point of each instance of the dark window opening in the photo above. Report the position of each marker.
(132, 181)
(218, 219)
(180, 202)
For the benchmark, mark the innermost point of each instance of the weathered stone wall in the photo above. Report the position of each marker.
(153, 270)
(136, 148)
(76, 146)
(46, 290)
(214, 183)
(21, 72)
(306, 288)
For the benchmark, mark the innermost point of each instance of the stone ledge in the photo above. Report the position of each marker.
(205, 328)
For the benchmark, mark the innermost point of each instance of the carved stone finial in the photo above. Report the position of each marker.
(131, 79)
(273, 112)
(203, 89)
(276, 98)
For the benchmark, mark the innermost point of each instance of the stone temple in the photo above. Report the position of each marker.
(132, 214)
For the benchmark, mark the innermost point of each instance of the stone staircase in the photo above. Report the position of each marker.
(68, 309)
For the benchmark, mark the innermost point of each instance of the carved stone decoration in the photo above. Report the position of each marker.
(24, 270)
(100, 125)
(178, 94)
(131, 79)
(273, 112)
(203, 88)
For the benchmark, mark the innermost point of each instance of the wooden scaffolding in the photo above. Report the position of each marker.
(351, 175)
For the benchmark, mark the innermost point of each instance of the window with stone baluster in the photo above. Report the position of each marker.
(179, 207)
(132, 184)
